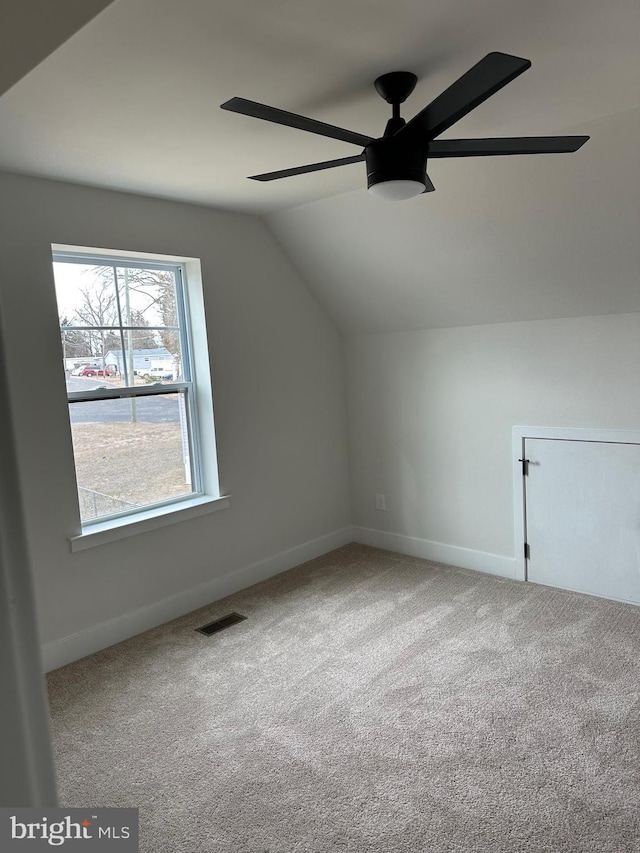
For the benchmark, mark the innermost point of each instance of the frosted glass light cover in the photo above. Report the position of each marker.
(396, 190)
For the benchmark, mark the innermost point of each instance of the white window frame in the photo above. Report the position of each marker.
(196, 386)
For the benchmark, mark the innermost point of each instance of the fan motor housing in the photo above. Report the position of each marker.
(388, 161)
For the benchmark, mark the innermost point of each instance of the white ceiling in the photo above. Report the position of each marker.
(132, 102)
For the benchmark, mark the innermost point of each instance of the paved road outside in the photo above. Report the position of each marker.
(155, 410)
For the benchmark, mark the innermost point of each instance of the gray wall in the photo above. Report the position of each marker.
(277, 370)
(431, 415)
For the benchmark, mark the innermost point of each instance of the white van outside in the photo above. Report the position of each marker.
(158, 371)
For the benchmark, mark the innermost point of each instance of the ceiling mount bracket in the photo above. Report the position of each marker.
(396, 86)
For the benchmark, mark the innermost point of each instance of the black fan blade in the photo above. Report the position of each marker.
(302, 170)
(515, 145)
(251, 108)
(483, 80)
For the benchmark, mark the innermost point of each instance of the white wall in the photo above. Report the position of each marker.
(431, 415)
(277, 369)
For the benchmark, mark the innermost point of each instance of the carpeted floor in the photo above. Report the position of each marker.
(370, 703)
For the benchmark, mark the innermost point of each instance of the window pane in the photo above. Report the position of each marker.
(90, 376)
(147, 297)
(142, 364)
(148, 301)
(130, 452)
(141, 306)
(86, 295)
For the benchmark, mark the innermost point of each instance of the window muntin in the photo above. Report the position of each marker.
(125, 342)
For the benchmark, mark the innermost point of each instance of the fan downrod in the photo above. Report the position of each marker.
(396, 86)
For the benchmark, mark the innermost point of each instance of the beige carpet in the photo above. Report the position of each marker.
(371, 703)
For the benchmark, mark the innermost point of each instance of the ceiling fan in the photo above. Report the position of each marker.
(397, 161)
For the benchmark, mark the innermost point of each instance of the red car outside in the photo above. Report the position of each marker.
(94, 370)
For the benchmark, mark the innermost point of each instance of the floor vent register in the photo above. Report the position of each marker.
(221, 624)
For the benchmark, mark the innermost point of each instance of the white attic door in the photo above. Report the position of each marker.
(582, 513)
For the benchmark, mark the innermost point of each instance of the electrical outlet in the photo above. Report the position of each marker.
(381, 502)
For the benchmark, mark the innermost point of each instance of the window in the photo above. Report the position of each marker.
(133, 403)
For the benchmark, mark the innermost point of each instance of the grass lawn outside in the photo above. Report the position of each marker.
(140, 463)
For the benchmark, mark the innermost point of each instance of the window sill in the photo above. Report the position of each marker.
(152, 519)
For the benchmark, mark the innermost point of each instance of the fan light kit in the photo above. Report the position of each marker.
(397, 190)
(397, 161)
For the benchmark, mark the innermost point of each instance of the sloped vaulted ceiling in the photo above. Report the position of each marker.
(514, 238)
(132, 102)
(32, 29)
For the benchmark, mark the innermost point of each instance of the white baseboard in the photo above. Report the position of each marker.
(452, 555)
(98, 637)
